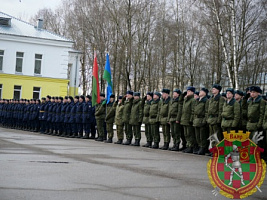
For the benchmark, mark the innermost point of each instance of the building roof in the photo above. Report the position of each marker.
(25, 29)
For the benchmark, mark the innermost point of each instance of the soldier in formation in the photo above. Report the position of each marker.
(189, 118)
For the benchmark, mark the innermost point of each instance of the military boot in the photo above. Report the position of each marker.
(92, 137)
(201, 151)
(99, 139)
(136, 143)
(195, 150)
(86, 136)
(128, 142)
(108, 141)
(155, 145)
(175, 148)
(188, 150)
(148, 144)
(118, 142)
(165, 146)
(80, 135)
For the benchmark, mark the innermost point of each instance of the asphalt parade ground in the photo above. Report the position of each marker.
(35, 166)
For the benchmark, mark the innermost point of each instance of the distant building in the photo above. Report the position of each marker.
(35, 62)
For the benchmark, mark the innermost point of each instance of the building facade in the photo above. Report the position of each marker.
(35, 62)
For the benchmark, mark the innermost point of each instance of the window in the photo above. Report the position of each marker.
(1, 59)
(36, 92)
(38, 63)
(1, 86)
(19, 61)
(17, 92)
(69, 71)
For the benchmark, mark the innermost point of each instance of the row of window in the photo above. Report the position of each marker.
(18, 89)
(19, 62)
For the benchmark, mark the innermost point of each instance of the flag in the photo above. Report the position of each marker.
(95, 88)
(107, 77)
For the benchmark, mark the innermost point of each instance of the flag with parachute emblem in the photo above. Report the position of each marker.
(107, 77)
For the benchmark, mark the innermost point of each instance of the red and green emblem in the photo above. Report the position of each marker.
(236, 169)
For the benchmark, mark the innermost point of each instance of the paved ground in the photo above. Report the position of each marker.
(42, 167)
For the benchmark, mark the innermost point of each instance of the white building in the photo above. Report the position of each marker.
(35, 62)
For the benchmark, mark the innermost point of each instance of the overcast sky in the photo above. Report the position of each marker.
(25, 9)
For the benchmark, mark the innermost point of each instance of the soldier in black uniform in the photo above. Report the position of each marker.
(41, 115)
(67, 116)
(62, 116)
(79, 114)
(88, 116)
(73, 118)
(58, 121)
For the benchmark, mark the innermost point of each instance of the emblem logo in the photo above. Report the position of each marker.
(236, 170)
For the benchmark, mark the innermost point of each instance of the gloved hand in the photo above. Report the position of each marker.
(247, 96)
(145, 97)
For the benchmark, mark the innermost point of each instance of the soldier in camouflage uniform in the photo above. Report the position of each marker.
(119, 120)
(127, 102)
(174, 118)
(200, 121)
(154, 119)
(231, 112)
(163, 116)
(187, 120)
(256, 110)
(244, 110)
(149, 137)
(215, 106)
(110, 116)
(100, 114)
(136, 117)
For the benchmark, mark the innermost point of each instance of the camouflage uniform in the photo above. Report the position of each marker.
(154, 121)
(163, 116)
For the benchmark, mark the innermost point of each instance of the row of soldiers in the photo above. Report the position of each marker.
(69, 117)
(188, 116)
